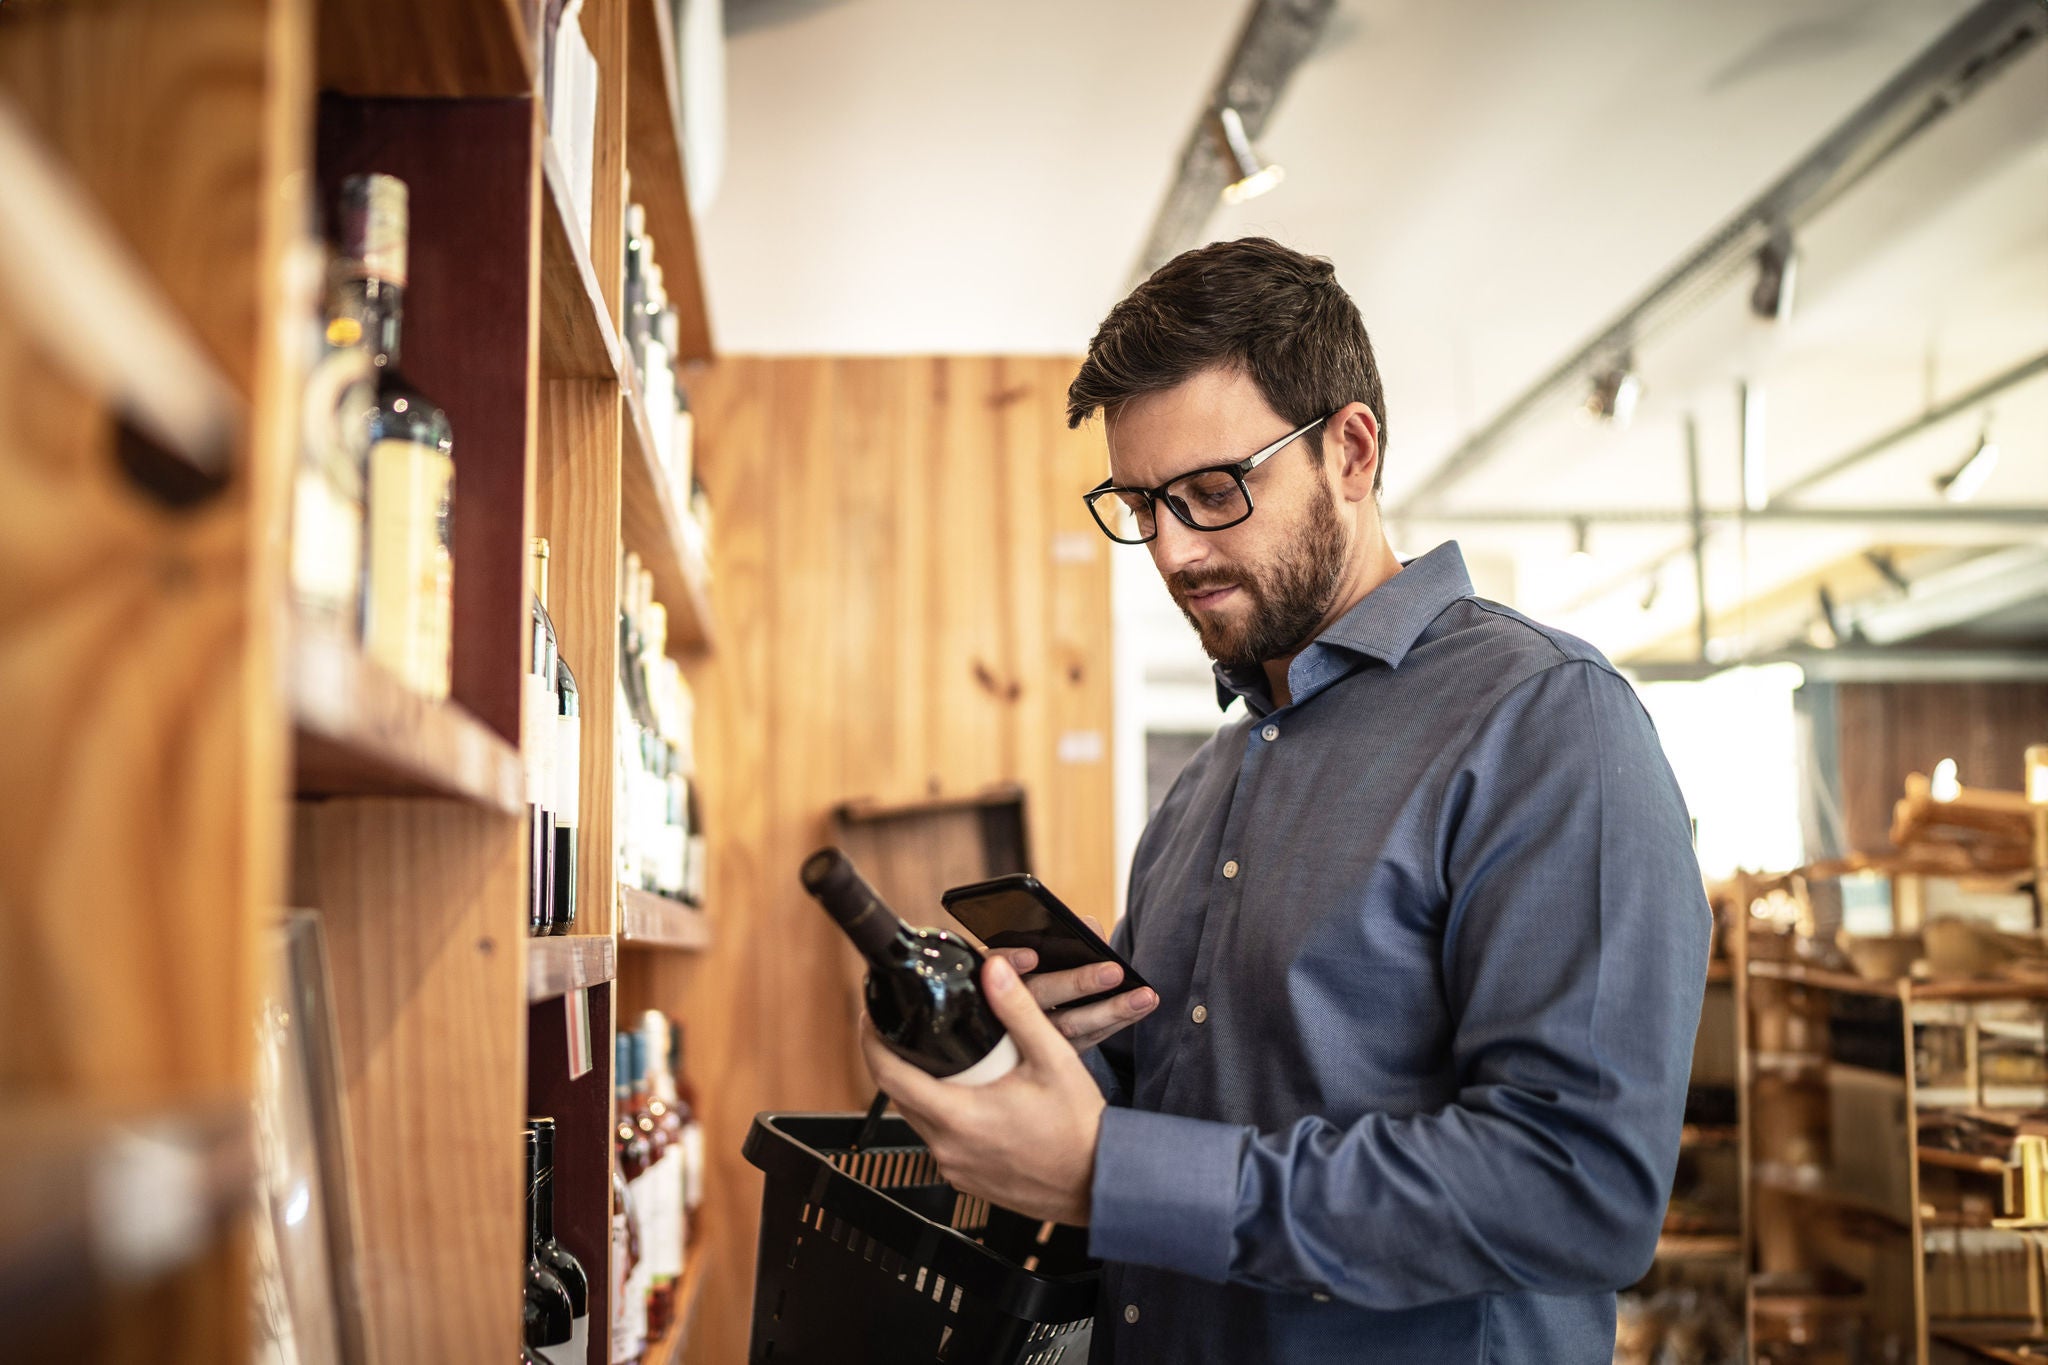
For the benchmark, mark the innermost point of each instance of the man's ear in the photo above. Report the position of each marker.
(1357, 434)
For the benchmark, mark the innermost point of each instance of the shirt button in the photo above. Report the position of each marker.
(1271, 733)
(1200, 1014)
(1130, 1312)
(1320, 1297)
(1230, 869)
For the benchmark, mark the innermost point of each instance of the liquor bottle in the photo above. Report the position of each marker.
(635, 1157)
(668, 1174)
(328, 483)
(550, 1317)
(568, 764)
(553, 1254)
(924, 985)
(539, 709)
(410, 565)
(697, 882)
(622, 1348)
(685, 1101)
(634, 298)
(663, 1204)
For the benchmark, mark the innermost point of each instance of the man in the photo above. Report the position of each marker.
(1425, 924)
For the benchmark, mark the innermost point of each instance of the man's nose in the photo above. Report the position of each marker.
(1177, 547)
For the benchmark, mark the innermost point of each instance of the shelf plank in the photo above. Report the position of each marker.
(361, 733)
(81, 295)
(557, 965)
(193, 1164)
(647, 920)
(1709, 1135)
(1823, 1194)
(578, 338)
(1965, 989)
(401, 47)
(651, 524)
(1677, 1246)
(654, 156)
(1962, 1161)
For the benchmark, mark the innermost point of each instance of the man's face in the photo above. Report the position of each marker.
(1257, 590)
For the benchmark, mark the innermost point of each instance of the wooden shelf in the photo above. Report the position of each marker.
(1720, 971)
(557, 965)
(647, 920)
(651, 525)
(194, 1167)
(1949, 990)
(361, 733)
(578, 338)
(654, 157)
(401, 47)
(1709, 1135)
(1985, 1350)
(1679, 1246)
(1962, 1161)
(1823, 1194)
(79, 293)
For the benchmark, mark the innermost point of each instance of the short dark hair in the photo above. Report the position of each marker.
(1251, 305)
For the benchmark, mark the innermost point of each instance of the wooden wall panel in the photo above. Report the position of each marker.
(1887, 730)
(898, 618)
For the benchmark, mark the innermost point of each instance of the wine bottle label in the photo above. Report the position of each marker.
(669, 1170)
(623, 1346)
(1000, 1062)
(568, 770)
(693, 1164)
(408, 484)
(537, 739)
(374, 213)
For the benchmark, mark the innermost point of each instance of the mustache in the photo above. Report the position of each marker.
(1189, 582)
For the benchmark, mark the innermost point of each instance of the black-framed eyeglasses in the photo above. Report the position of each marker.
(1207, 499)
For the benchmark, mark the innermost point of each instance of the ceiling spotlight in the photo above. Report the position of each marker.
(1777, 270)
(1614, 391)
(1251, 175)
(1961, 483)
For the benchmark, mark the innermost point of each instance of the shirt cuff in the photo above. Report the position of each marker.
(1165, 1192)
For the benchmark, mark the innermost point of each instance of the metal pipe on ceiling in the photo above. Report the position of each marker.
(1956, 66)
(2032, 517)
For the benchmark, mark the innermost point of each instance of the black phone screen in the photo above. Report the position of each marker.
(1018, 912)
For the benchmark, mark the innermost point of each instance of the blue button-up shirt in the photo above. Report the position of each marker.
(1430, 944)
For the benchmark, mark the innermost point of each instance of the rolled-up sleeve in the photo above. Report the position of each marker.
(1573, 961)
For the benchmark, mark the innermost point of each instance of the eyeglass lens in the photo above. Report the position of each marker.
(1210, 499)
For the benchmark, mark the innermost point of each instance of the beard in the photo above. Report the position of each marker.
(1286, 599)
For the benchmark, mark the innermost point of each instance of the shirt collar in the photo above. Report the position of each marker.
(1384, 625)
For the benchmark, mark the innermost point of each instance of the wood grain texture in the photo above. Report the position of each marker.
(577, 509)
(424, 902)
(578, 338)
(558, 964)
(139, 784)
(1887, 730)
(403, 47)
(654, 155)
(647, 920)
(888, 634)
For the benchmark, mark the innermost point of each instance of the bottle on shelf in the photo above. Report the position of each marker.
(661, 1195)
(550, 1316)
(683, 1099)
(333, 468)
(552, 1254)
(634, 1158)
(568, 766)
(669, 1175)
(409, 567)
(622, 1347)
(539, 724)
(924, 985)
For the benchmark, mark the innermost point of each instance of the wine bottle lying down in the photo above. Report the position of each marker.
(924, 985)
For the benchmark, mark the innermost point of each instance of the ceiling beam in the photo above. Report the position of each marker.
(1277, 37)
(1959, 64)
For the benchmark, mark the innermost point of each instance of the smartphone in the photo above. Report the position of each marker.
(1018, 912)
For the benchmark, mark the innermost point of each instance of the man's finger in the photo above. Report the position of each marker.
(1053, 989)
(1096, 1022)
(1025, 960)
(1038, 1041)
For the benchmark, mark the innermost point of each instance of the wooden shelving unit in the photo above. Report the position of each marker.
(222, 758)
(647, 920)
(556, 966)
(359, 732)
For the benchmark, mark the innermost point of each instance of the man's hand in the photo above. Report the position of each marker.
(1027, 1141)
(1089, 1025)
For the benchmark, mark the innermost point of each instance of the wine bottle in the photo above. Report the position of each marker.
(924, 985)
(635, 1157)
(328, 482)
(667, 1174)
(568, 763)
(661, 1210)
(685, 1104)
(550, 1316)
(553, 1254)
(538, 714)
(411, 488)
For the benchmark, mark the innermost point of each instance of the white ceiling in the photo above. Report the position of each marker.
(1493, 181)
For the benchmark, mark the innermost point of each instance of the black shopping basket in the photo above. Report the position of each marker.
(869, 1258)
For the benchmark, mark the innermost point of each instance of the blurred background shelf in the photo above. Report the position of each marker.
(360, 733)
(651, 523)
(578, 337)
(404, 48)
(654, 155)
(648, 920)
